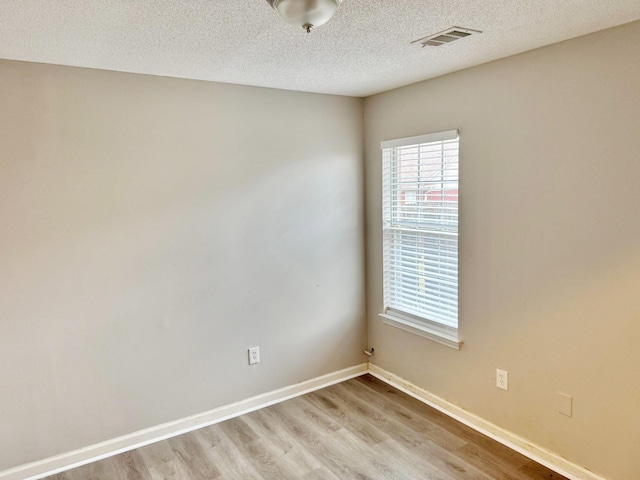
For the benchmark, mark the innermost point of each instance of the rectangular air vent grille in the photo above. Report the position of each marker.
(447, 36)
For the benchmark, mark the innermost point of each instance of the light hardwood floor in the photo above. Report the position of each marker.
(360, 429)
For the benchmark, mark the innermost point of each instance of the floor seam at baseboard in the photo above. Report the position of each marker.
(66, 461)
(69, 460)
(509, 439)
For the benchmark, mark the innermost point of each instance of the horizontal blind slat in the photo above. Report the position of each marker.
(418, 270)
(445, 299)
(433, 302)
(445, 264)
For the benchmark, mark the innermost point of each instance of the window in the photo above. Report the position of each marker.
(420, 235)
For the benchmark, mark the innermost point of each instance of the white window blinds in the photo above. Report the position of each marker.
(420, 228)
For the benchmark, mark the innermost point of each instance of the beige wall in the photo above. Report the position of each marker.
(153, 229)
(549, 248)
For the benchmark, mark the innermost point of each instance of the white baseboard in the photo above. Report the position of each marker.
(66, 461)
(92, 453)
(509, 439)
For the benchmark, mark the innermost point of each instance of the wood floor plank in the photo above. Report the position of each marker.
(415, 465)
(316, 417)
(172, 470)
(371, 462)
(103, 470)
(227, 457)
(321, 437)
(448, 463)
(132, 466)
(194, 458)
(266, 459)
(212, 435)
(262, 422)
(161, 461)
(461, 432)
(403, 426)
(351, 443)
(238, 431)
(487, 461)
(321, 473)
(534, 471)
(415, 420)
(340, 411)
(362, 429)
(125, 466)
(443, 423)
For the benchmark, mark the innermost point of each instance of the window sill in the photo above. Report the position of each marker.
(443, 338)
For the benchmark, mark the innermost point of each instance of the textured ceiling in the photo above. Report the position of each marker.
(364, 49)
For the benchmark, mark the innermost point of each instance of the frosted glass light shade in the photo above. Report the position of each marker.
(306, 13)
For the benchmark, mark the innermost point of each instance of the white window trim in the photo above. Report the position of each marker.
(432, 332)
(428, 138)
(438, 333)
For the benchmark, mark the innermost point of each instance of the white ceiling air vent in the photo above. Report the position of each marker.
(447, 36)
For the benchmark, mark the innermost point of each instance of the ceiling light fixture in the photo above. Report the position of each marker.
(307, 14)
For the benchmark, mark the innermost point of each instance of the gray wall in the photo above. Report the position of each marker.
(153, 229)
(550, 243)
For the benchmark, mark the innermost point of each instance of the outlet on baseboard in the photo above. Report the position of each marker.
(254, 355)
(502, 379)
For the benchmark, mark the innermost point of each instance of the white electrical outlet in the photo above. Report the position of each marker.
(502, 379)
(254, 355)
(565, 404)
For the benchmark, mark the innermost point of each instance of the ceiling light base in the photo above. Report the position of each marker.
(307, 14)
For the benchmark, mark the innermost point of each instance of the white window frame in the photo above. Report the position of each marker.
(444, 330)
